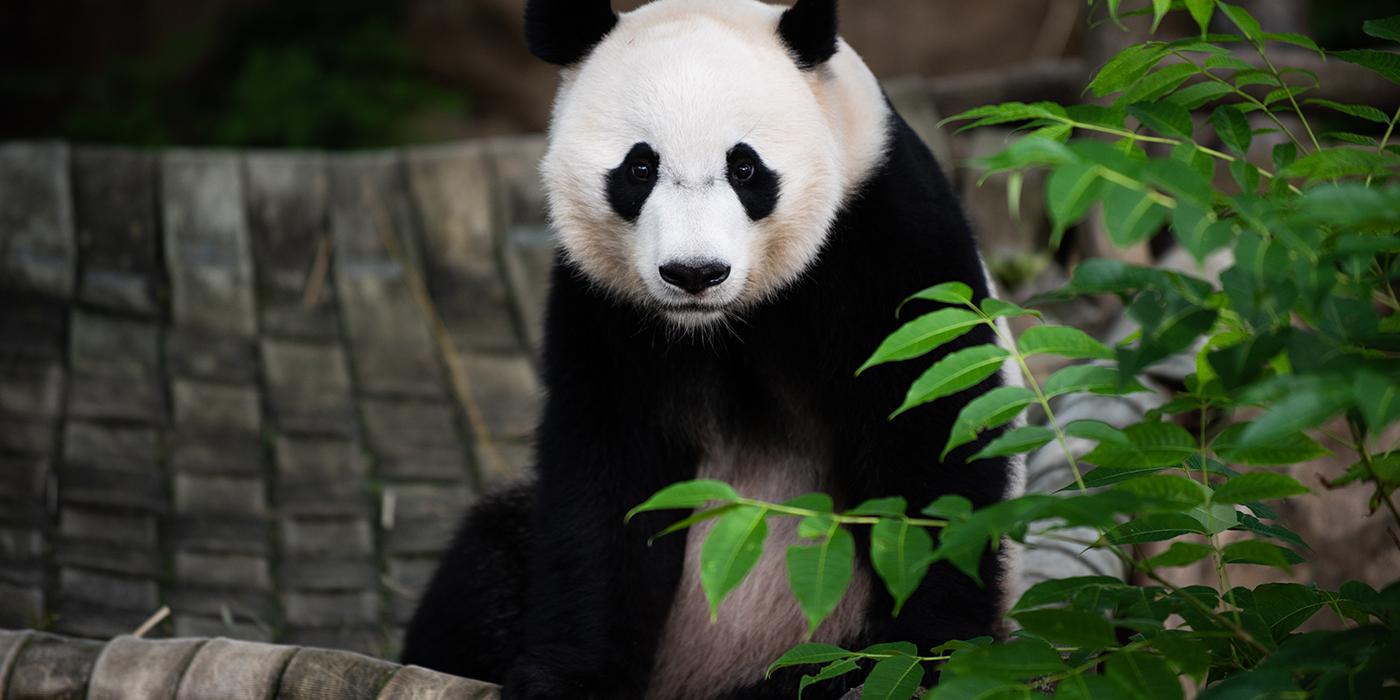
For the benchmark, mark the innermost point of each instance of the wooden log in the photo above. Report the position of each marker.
(141, 668)
(318, 674)
(52, 668)
(233, 670)
(414, 683)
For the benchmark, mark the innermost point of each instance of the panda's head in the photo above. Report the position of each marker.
(700, 149)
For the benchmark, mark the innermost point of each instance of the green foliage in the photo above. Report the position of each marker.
(1300, 331)
(309, 74)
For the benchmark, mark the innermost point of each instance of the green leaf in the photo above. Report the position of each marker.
(693, 520)
(1197, 95)
(1378, 397)
(1166, 118)
(958, 371)
(1383, 63)
(1159, 10)
(1132, 216)
(1155, 528)
(1286, 606)
(1283, 156)
(990, 410)
(1183, 650)
(1249, 523)
(892, 507)
(730, 552)
(1089, 687)
(1305, 407)
(1008, 112)
(946, 293)
(1289, 449)
(1265, 684)
(832, 670)
(1181, 180)
(949, 506)
(1199, 232)
(1228, 62)
(1234, 130)
(819, 574)
(1070, 191)
(1017, 660)
(1296, 40)
(922, 335)
(1258, 486)
(1201, 11)
(1096, 379)
(1262, 553)
(1068, 626)
(1063, 341)
(1027, 438)
(900, 553)
(1388, 28)
(1126, 68)
(1180, 554)
(973, 688)
(810, 653)
(1055, 591)
(1148, 445)
(1107, 476)
(1166, 488)
(819, 502)
(894, 679)
(689, 494)
(1245, 21)
(1143, 675)
(996, 308)
(1370, 114)
(1158, 84)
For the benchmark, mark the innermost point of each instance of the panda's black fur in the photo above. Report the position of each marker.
(547, 591)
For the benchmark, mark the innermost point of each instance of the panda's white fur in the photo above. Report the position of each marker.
(692, 78)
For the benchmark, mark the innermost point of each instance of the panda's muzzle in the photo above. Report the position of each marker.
(695, 277)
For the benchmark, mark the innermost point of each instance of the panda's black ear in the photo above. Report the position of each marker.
(809, 30)
(562, 32)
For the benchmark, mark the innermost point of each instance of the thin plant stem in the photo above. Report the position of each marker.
(1259, 48)
(1371, 471)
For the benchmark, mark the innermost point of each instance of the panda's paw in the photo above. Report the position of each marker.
(539, 682)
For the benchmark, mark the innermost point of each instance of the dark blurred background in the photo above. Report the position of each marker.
(363, 73)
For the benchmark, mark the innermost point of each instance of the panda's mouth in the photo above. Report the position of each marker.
(695, 308)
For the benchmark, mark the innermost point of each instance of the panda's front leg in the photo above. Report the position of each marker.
(599, 594)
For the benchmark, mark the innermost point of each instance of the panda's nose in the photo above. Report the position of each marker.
(695, 277)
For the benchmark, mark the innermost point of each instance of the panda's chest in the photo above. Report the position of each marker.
(760, 620)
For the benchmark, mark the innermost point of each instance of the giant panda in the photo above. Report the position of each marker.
(740, 211)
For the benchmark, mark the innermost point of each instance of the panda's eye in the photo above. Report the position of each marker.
(641, 170)
(742, 171)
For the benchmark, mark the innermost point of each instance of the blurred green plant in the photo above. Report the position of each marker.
(1302, 332)
(313, 74)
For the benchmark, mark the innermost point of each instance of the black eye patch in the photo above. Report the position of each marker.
(755, 183)
(630, 183)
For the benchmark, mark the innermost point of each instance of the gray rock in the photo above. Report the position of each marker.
(37, 247)
(115, 202)
(206, 243)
